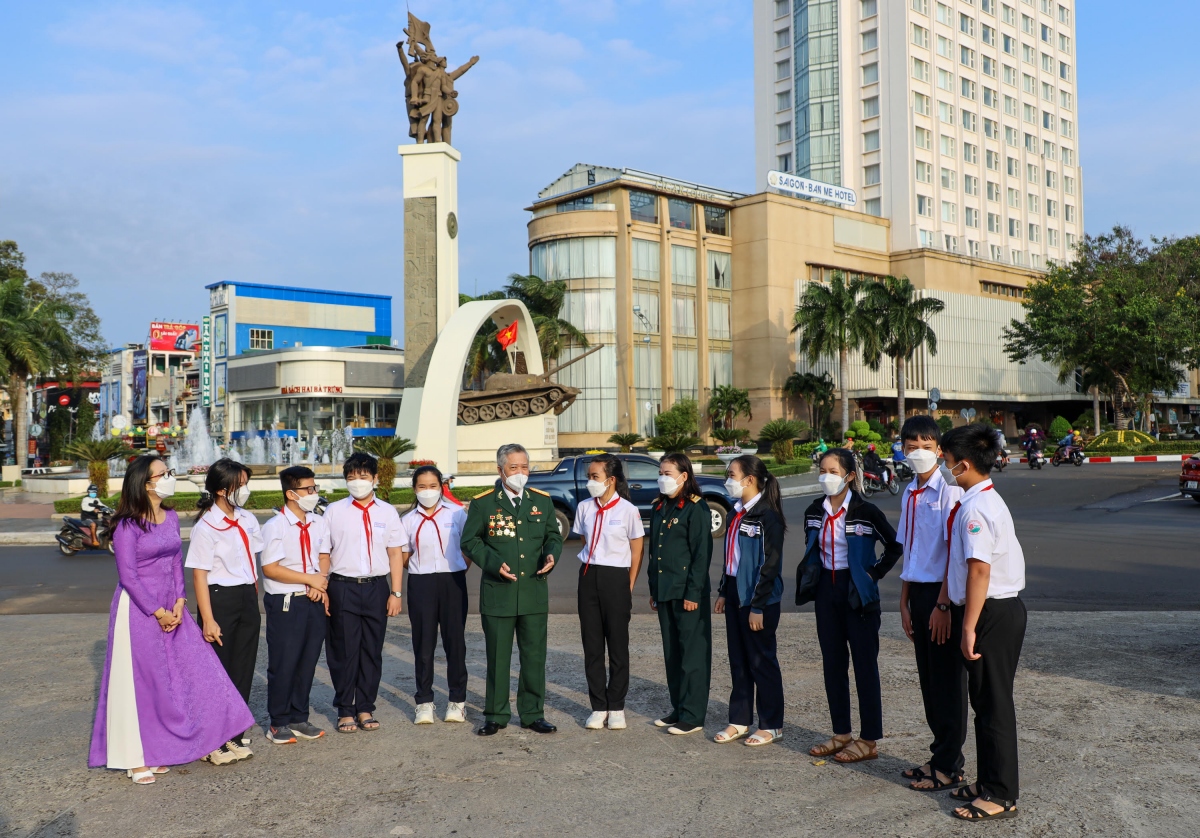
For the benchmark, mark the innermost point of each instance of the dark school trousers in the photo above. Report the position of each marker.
(942, 671)
(498, 632)
(753, 663)
(605, 606)
(439, 601)
(999, 635)
(235, 608)
(295, 635)
(687, 653)
(354, 644)
(843, 633)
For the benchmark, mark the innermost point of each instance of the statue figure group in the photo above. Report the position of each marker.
(428, 86)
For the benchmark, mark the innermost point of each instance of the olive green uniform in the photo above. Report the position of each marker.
(521, 536)
(681, 546)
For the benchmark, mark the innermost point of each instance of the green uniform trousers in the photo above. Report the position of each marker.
(530, 631)
(687, 652)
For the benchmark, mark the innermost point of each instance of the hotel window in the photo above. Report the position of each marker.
(1047, 63)
(1011, 136)
(1010, 75)
(1047, 33)
(945, 47)
(870, 40)
(716, 221)
(920, 69)
(784, 162)
(971, 217)
(262, 338)
(586, 257)
(995, 225)
(989, 66)
(921, 103)
(920, 36)
(873, 206)
(1048, 150)
(1068, 185)
(997, 252)
(683, 265)
(968, 89)
(681, 212)
(1033, 203)
(1010, 106)
(871, 141)
(1068, 157)
(1013, 167)
(987, 34)
(869, 8)
(1048, 120)
(645, 260)
(966, 25)
(1031, 143)
(870, 107)
(645, 311)
(1031, 173)
(992, 160)
(988, 6)
(783, 38)
(1064, 44)
(781, 8)
(1070, 237)
(1009, 44)
(1064, 14)
(924, 206)
(1027, 24)
(718, 270)
(1008, 15)
(1030, 113)
(952, 243)
(783, 101)
(971, 151)
(993, 191)
(991, 129)
(1066, 128)
(1069, 213)
(1051, 179)
(949, 178)
(1014, 228)
(973, 248)
(946, 112)
(970, 185)
(783, 132)
(871, 175)
(783, 69)
(643, 207)
(1028, 83)
(870, 73)
(1066, 101)
(944, 15)
(1014, 198)
(1035, 233)
(990, 99)
(683, 315)
(718, 319)
(947, 146)
(1064, 71)
(923, 138)
(969, 121)
(1052, 237)
(921, 6)
(966, 57)
(1047, 92)
(1051, 208)
(924, 172)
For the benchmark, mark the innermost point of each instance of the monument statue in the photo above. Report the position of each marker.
(429, 90)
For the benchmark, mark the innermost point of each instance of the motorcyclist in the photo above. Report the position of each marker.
(874, 465)
(897, 451)
(89, 509)
(822, 446)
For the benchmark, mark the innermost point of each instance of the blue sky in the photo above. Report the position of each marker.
(153, 149)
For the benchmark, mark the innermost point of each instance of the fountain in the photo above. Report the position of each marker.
(198, 448)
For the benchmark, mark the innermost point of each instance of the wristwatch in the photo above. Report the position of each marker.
(941, 606)
(397, 594)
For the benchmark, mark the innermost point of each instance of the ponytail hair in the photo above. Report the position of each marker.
(768, 483)
(613, 468)
(223, 475)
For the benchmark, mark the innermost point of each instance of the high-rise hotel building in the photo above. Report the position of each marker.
(955, 120)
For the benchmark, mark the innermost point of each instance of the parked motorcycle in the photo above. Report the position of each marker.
(76, 533)
(1067, 454)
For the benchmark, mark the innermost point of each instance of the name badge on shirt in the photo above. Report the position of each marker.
(379, 525)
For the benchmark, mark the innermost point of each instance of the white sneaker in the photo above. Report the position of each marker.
(456, 711)
(616, 720)
(221, 756)
(239, 751)
(424, 715)
(596, 720)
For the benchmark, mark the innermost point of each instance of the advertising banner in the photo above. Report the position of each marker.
(206, 362)
(174, 337)
(140, 401)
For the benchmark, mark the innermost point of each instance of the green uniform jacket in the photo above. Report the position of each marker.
(681, 546)
(496, 534)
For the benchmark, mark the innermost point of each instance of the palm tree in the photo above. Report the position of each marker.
(96, 453)
(545, 301)
(386, 449)
(831, 321)
(901, 327)
(625, 441)
(33, 340)
(727, 403)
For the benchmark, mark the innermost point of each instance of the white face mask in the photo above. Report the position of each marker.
(165, 487)
(360, 489)
(734, 488)
(516, 482)
(428, 497)
(667, 485)
(308, 502)
(922, 461)
(596, 488)
(831, 484)
(241, 496)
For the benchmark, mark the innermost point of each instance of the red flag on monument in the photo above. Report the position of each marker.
(507, 336)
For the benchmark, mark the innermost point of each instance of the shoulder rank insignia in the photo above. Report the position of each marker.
(483, 494)
(695, 498)
(539, 492)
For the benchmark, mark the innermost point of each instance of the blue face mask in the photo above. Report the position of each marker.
(91, 494)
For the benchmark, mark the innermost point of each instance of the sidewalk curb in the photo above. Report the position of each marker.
(49, 539)
(800, 491)
(1136, 458)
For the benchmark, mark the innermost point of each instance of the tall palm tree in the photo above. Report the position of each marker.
(545, 301)
(831, 321)
(727, 403)
(901, 327)
(33, 340)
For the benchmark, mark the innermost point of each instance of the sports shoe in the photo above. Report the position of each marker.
(221, 756)
(665, 721)
(304, 730)
(596, 720)
(425, 714)
(244, 739)
(456, 711)
(616, 720)
(281, 735)
(239, 751)
(684, 728)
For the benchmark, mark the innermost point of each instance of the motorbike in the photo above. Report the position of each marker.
(76, 534)
(1001, 460)
(873, 483)
(902, 468)
(1067, 454)
(1036, 458)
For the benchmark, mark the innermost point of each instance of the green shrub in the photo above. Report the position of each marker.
(1059, 428)
(625, 441)
(945, 423)
(1120, 439)
(673, 443)
(779, 433)
(683, 419)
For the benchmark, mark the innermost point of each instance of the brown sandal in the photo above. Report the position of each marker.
(854, 753)
(831, 746)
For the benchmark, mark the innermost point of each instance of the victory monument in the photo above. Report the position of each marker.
(438, 333)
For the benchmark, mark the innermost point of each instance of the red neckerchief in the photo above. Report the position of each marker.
(912, 514)
(731, 535)
(950, 527)
(366, 511)
(233, 522)
(830, 521)
(428, 519)
(597, 526)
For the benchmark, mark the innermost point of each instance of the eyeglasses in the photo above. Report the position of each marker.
(168, 473)
(308, 490)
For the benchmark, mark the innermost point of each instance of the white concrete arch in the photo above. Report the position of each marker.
(429, 414)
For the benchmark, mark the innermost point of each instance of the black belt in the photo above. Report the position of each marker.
(357, 580)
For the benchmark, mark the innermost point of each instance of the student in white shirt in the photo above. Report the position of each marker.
(294, 541)
(611, 556)
(437, 593)
(366, 538)
(224, 541)
(987, 571)
(931, 621)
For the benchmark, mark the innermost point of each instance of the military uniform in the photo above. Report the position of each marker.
(681, 546)
(521, 536)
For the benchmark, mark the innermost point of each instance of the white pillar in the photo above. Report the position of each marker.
(431, 171)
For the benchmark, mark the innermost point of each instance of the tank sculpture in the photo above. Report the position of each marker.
(508, 395)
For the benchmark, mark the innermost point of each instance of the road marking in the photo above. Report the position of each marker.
(1175, 496)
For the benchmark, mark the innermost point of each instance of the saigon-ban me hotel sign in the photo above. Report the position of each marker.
(806, 188)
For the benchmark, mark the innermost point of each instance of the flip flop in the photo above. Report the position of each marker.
(758, 740)
(350, 727)
(739, 731)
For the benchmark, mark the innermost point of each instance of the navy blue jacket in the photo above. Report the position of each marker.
(865, 526)
(760, 558)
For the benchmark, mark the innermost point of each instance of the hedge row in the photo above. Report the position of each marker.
(1177, 447)
(187, 501)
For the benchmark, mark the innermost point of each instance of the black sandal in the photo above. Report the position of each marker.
(965, 794)
(974, 813)
(913, 773)
(348, 727)
(368, 723)
(955, 781)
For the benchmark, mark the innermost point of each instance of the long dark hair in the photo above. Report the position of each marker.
(223, 475)
(614, 469)
(768, 483)
(135, 504)
(681, 462)
(848, 463)
(426, 469)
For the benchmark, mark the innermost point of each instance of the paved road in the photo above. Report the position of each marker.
(1100, 537)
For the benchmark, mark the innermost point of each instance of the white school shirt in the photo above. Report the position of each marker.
(733, 550)
(924, 511)
(218, 547)
(281, 544)
(621, 524)
(983, 529)
(350, 553)
(837, 541)
(433, 538)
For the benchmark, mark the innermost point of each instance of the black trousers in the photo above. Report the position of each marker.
(295, 635)
(942, 671)
(354, 644)
(235, 609)
(605, 605)
(753, 663)
(439, 601)
(844, 632)
(999, 635)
